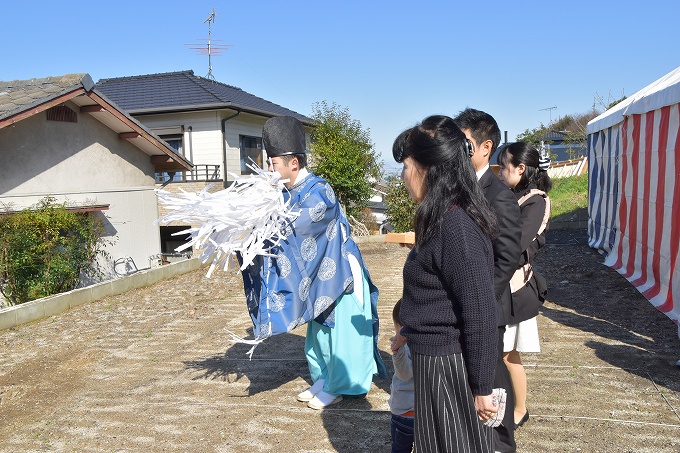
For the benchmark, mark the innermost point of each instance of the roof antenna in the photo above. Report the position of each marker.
(551, 109)
(210, 49)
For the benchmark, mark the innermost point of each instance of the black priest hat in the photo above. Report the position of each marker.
(283, 135)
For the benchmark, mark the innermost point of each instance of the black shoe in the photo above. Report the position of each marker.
(523, 420)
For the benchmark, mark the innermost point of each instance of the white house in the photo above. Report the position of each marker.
(60, 136)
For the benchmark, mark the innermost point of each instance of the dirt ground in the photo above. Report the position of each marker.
(154, 370)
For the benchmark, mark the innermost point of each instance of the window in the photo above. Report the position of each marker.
(251, 148)
(176, 142)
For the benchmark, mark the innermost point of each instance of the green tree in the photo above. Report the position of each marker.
(342, 152)
(400, 209)
(534, 136)
(46, 250)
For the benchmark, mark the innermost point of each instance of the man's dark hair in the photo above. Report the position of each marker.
(481, 125)
(302, 159)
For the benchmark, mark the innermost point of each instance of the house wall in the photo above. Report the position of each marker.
(561, 151)
(205, 146)
(83, 162)
(244, 124)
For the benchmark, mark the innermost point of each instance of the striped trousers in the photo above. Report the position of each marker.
(446, 419)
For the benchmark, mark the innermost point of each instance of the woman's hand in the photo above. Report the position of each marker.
(485, 407)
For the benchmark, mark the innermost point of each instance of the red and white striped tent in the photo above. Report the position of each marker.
(634, 190)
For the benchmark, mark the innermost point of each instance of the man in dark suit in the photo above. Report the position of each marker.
(482, 130)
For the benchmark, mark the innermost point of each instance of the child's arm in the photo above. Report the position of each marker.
(401, 359)
(397, 342)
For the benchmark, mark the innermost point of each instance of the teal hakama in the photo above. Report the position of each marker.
(344, 356)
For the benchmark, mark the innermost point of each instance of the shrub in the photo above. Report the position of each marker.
(46, 250)
(400, 209)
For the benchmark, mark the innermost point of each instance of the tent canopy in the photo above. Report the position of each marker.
(661, 93)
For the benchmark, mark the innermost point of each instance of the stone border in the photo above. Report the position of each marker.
(59, 303)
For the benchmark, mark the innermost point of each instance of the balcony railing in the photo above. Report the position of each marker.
(198, 173)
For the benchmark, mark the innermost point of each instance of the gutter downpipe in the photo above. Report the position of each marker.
(191, 144)
(224, 145)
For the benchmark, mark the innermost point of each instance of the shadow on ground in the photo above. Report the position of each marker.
(270, 368)
(602, 302)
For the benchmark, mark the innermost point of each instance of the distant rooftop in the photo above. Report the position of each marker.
(183, 91)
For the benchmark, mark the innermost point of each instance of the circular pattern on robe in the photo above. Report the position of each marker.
(284, 265)
(294, 323)
(265, 331)
(326, 269)
(343, 250)
(317, 212)
(308, 249)
(276, 301)
(303, 288)
(330, 194)
(331, 231)
(287, 229)
(349, 284)
(321, 304)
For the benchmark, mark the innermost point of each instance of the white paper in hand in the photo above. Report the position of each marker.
(499, 399)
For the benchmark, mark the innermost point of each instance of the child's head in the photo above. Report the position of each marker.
(395, 316)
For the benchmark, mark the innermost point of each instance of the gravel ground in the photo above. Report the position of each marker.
(154, 370)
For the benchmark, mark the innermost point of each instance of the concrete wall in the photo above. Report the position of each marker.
(40, 156)
(83, 163)
(59, 303)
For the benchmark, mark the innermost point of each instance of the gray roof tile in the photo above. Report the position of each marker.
(21, 95)
(182, 91)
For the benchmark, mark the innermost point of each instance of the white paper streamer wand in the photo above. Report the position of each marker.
(248, 217)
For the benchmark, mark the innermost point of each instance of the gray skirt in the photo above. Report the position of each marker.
(445, 416)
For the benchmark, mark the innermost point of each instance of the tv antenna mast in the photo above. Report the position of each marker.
(551, 109)
(210, 49)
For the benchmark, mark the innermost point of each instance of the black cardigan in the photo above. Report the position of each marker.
(527, 301)
(448, 302)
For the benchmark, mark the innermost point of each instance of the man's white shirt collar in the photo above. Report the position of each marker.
(302, 174)
(481, 172)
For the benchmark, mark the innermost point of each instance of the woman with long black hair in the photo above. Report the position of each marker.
(448, 305)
